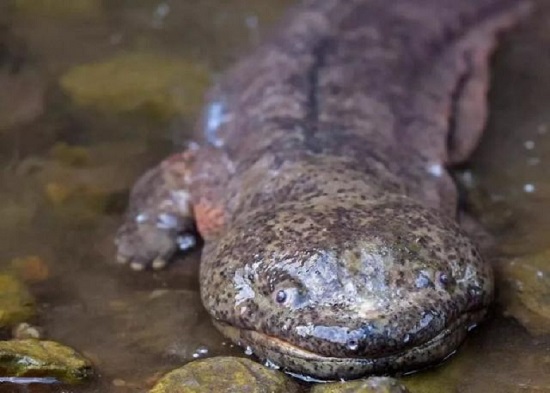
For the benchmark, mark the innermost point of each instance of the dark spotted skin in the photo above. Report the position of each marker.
(320, 187)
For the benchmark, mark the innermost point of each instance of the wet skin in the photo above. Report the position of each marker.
(320, 187)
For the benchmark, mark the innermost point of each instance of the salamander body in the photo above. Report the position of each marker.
(320, 186)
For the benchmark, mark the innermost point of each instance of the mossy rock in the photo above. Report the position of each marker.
(16, 303)
(370, 385)
(160, 86)
(224, 375)
(36, 358)
(75, 185)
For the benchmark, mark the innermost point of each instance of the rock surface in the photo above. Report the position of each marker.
(160, 86)
(224, 375)
(47, 359)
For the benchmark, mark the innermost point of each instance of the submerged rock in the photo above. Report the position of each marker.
(86, 196)
(224, 375)
(31, 268)
(161, 86)
(370, 385)
(526, 294)
(47, 359)
(81, 190)
(81, 182)
(16, 303)
(76, 156)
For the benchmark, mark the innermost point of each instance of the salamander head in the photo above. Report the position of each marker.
(343, 291)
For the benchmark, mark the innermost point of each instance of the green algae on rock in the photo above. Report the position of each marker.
(161, 86)
(527, 297)
(36, 358)
(370, 385)
(16, 303)
(224, 375)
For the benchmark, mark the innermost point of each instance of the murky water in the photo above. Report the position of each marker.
(66, 168)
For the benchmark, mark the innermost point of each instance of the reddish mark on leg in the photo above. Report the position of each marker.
(210, 218)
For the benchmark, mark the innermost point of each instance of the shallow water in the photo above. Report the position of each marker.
(63, 204)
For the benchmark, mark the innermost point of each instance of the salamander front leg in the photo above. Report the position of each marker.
(159, 221)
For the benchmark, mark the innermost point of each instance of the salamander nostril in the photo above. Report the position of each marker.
(352, 344)
(444, 279)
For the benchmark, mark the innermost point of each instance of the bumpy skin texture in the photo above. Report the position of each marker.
(321, 189)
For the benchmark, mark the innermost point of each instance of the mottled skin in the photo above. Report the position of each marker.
(320, 187)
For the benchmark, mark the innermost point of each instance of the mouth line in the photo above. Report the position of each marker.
(252, 338)
(293, 349)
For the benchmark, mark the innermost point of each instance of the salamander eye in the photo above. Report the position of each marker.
(290, 296)
(281, 296)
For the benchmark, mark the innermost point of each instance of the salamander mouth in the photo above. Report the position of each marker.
(307, 364)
